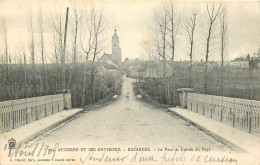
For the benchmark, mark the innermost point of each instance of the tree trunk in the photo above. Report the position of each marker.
(84, 86)
(206, 62)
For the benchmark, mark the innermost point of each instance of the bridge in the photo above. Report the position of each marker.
(129, 121)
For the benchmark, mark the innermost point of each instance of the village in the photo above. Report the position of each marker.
(129, 82)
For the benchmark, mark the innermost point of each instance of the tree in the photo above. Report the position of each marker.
(77, 15)
(212, 12)
(31, 32)
(96, 25)
(6, 55)
(223, 33)
(41, 31)
(57, 23)
(189, 26)
(5, 41)
(32, 52)
(164, 27)
(160, 19)
(63, 84)
(25, 71)
(172, 27)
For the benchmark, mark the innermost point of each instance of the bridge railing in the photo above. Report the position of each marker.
(15, 113)
(240, 113)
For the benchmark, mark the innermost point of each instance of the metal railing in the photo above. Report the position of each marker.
(15, 113)
(240, 113)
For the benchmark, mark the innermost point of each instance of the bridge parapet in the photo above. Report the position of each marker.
(15, 113)
(240, 113)
(183, 96)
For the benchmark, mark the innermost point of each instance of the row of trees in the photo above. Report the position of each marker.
(23, 84)
(39, 66)
(238, 84)
(168, 25)
(43, 31)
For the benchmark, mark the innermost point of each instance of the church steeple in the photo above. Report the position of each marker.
(115, 37)
(116, 50)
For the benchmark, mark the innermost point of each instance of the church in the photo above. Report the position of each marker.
(112, 62)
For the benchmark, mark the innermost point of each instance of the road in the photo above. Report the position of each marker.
(130, 122)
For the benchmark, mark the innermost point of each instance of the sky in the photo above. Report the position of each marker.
(133, 19)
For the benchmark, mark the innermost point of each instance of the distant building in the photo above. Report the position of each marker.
(111, 63)
(150, 69)
(240, 64)
(107, 69)
(116, 50)
(125, 65)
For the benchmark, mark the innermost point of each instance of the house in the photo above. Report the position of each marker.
(107, 69)
(125, 65)
(240, 64)
(110, 64)
(137, 70)
(150, 69)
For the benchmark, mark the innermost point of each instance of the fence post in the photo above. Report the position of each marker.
(52, 103)
(36, 109)
(210, 112)
(234, 113)
(204, 104)
(249, 118)
(45, 107)
(197, 103)
(1, 121)
(249, 129)
(221, 110)
(26, 111)
(13, 115)
(234, 119)
(221, 116)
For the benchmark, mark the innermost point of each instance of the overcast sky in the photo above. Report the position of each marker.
(132, 18)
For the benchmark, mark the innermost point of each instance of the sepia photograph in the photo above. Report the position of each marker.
(129, 82)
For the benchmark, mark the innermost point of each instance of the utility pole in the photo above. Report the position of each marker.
(63, 53)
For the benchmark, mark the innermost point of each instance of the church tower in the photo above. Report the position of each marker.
(116, 50)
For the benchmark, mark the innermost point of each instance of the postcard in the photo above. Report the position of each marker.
(129, 82)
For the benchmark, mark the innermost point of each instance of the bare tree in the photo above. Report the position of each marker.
(212, 12)
(87, 49)
(25, 71)
(6, 54)
(172, 27)
(63, 84)
(148, 49)
(165, 25)
(41, 32)
(76, 18)
(160, 20)
(77, 15)
(224, 27)
(57, 24)
(5, 41)
(96, 25)
(31, 31)
(189, 26)
(32, 51)
(55, 46)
